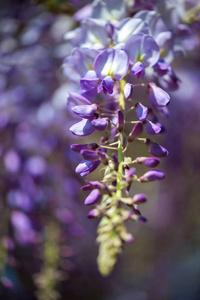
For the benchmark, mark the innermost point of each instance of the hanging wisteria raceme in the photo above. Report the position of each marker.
(118, 48)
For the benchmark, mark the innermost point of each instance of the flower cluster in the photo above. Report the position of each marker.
(117, 49)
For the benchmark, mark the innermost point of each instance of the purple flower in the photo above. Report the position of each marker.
(111, 62)
(158, 150)
(78, 147)
(157, 97)
(86, 167)
(141, 111)
(120, 120)
(86, 127)
(138, 70)
(90, 155)
(85, 111)
(128, 89)
(139, 199)
(150, 162)
(152, 175)
(93, 197)
(129, 27)
(108, 85)
(89, 81)
(135, 132)
(152, 128)
(142, 48)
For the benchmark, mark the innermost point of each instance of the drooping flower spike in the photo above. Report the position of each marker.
(130, 52)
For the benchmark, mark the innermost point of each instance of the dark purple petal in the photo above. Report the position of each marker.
(85, 111)
(139, 199)
(157, 96)
(152, 128)
(141, 111)
(111, 62)
(100, 123)
(93, 197)
(128, 89)
(137, 70)
(120, 125)
(135, 132)
(150, 162)
(152, 175)
(158, 150)
(161, 67)
(78, 147)
(90, 155)
(82, 128)
(108, 85)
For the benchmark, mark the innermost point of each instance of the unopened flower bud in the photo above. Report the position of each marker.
(150, 162)
(120, 125)
(135, 132)
(158, 150)
(139, 199)
(128, 89)
(141, 111)
(89, 155)
(93, 213)
(93, 197)
(152, 175)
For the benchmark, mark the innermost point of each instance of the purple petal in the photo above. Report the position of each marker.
(141, 111)
(100, 124)
(152, 175)
(86, 167)
(75, 99)
(78, 147)
(150, 162)
(130, 26)
(143, 48)
(128, 89)
(84, 13)
(111, 62)
(89, 81)
(139, 199)
(138, 70)
(158, 150)
(135, 132)
(82, 128)
(157, 96)
(85, 111)
(108, 85)
(152, 128)
(90, 155)
(93, 197)
(161, 67)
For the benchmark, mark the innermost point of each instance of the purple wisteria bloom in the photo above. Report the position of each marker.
(152, 175)
(111, 65)
(86, 167)
(141, 48)
(157, 96)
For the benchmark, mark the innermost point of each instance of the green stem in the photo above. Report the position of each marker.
(120, 141)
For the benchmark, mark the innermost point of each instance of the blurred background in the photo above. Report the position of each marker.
(47, 244)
